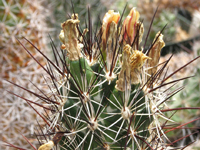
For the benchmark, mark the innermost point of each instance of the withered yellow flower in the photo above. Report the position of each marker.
(69, 37)
(154, 53)
(110, 17)
(133, 60)
(137, 60)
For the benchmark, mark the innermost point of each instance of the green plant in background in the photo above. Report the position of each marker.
(105, 90)
(189, 97)
(166, 17)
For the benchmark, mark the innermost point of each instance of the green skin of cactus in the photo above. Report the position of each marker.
(78, 70)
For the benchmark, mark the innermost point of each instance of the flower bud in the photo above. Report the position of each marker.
(130, 27)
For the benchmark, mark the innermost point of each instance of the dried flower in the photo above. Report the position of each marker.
(133, 61)
(109, 36)
(137, 60)
(154, 53)
(69, 37)
(109, 25)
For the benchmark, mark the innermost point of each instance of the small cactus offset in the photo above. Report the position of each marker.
(106, 90)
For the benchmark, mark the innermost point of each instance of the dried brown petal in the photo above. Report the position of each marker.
(140, 28)
(125, 70)
(110, 17)
(70, 38)
(112, 33)
(154, 53)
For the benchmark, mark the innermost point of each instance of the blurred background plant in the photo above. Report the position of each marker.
(34, 19)
(20, 18)
(63, 8)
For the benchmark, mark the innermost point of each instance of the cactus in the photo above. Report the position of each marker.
(106, 91)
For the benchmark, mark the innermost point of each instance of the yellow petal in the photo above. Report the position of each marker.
(47, 146)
